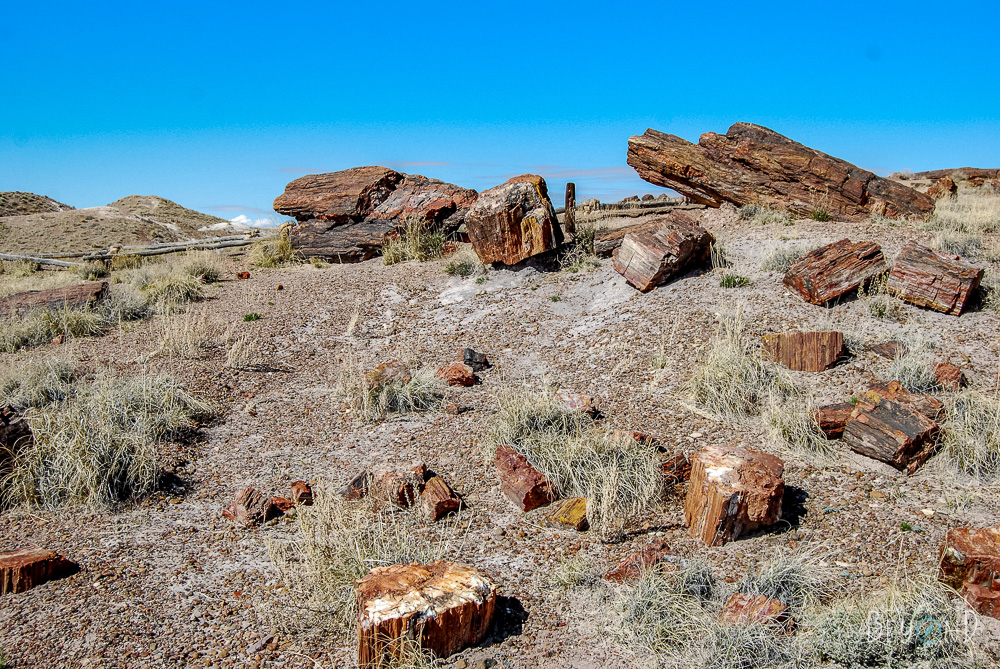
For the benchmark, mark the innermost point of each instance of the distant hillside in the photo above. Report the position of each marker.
(16, 203)
(132, 220)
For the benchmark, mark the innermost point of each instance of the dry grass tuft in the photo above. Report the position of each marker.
(374, 400)
(417, 241)
(99, 445)
(205, 266)
(956, 243)
(791, 425)
(243, 352)
(878, 302)
(91, 271)
(780, 257)
(37, 383)
(971, 436)
(970, 211)
(914, 369)
(465, 263)
(578, 255)
(273, 252)
(18, 268)
(757, 214)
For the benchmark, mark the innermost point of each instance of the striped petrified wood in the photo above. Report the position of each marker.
(24, 569)
(443, 607)
(805, 351)
(890, 431)
(970, 563)
(832, 418)
(606, 240)
(649, 258)
(932, 279)
(834, 270)
(78, 296)
(732, 491)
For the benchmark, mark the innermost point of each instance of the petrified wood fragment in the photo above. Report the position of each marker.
(836, 269)
(438, 500)
(513, 221)
(606, 240)
(649, 259)
(571, 512)
(75, 297)
(520, 482)
(805, 351)
(892, 432)
(832, 418)
(22, 570)
(970, 563)
(633, 566)
(932, 279)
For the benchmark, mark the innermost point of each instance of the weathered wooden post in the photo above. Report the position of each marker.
(569, 218)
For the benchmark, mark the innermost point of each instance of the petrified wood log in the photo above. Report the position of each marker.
(24, 569)
(571, 512)
(429, 200)
(399, 487)
(891, 432)
(606, 240)
(520, 482)
(649, 259)
(338, 196)
(960, 172)
(569, 217)
(832, 418)
(732, 491)
(438, 500)
(970, 563)
(805, 351)
(513, 221)
(633, 566)
(251, 507)
(836, 269)
(949, 376)
(75, 297)
(932, 279)
(339, 242)
(444, 607)
(943, 187)
(457, 374)
(751, 164)
(931, 407)
(890, 350)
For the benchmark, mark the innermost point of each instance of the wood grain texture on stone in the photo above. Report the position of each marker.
(443, 606)
(429, 200)
(636, 564)
(826, 273)
(438, 500)
(832, 418)
(74, 297)
(399, 487)
(751, 164)
(732, 491)
(932, 279)
(24, 569)
(520, 482)
(650, 259)
(339, 242)
(745, 609)
(606, 240)
(892, 432)
(805, 351)
(949, 377)
(513, 221)
(676, 470)
(969, 562)
(929, 406)
(251, 507)
(570, 512)
(890, 350)
(338, 196)
(943, 187)
(959, 173)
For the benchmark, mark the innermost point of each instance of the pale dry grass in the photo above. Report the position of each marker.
(37, 383)
(465, 262)
(578, 255)
(273, 252)
(373, 399)
(780, 257)
(792, 426)
(416, 242)
(972, 211)
(971, 435)
(756, 214)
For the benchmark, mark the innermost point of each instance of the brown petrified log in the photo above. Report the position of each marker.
(932, 279)
(805, 351)
(836, 269)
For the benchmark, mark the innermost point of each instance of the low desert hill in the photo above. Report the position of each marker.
(136, 219)
(16, 203)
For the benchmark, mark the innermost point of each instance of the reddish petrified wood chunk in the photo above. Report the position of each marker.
(894, 390)
(457, 374)
(74, 297)
(357, 487)
(932, 279)
(577, 403)
(520, 482)
(633, 566)
(676, 469)
(834, 270)
(251, 507)
(732, 491)
(832, 418)
(970, 563)
(438, 499)
(805, 351)
(949, 376)
(513, 221)
(443, 606)
(282, 504)
(400, 488)
(302, 493)
(890, 350)
(606, 240)
(649, 259)
(943, 187)
(744, 609)
(890, 431)
(22, 570)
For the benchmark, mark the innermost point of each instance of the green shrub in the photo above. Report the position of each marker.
(733, 281)
(249, 318)
(820, 215)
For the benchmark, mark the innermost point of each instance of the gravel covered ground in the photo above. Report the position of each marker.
(166, 581)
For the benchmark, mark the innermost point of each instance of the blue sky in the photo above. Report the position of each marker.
(218, 106)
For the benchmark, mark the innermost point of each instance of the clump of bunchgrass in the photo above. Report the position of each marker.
(758, 214)
(273, 252)
(879, 302)
(914, 368)
(205, 266)
(794, 580)
(418, 241)
(780, 257)
(125, 261)
(792, 425)
(572, 572)
(92, 270)
(99, 446)
(243, 352)
(957, 243)
(821, 215)
(578, 255)
(465, 263)
(971, 211)
(18, 268)
(658, 618)
(374, 395)
(39, 326)
(734, 381)
(971, 435)
(37, 383)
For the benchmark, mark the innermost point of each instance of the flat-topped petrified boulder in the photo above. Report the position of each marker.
(443, 606)
(648, 259)
(805, 351)
(890, 431)
(22, 570)
(732, 491)
(932, 279)
(337, 196)
(970, 564)
(751, 164)
(826, 273)
(74, 297)
(513, 221)
(606, 240)
(420, 198)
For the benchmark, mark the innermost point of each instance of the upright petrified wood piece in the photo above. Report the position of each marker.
(805, 351)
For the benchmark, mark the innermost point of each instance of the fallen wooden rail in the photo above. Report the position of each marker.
(39, 260)
(208, 244)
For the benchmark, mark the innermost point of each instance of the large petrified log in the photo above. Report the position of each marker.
(75, 297)
(836, 269)
(732, 491)
(606, 240)
(443, 607)
(751, 164)
(890, 431)
(521, 483)
(346, 216)
(970, 563)
(805, 351)
(960, 172)
(932, 279)
(649, 259)
(24, 569)
(513, 221)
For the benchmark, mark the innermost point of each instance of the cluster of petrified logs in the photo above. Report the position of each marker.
(751, 164)
(920, 275)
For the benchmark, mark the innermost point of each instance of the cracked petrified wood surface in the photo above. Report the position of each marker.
(22, 570)
(74, 297)
(826, 273)
(805, 351)
(932, 279)
(890, 431)
(513, 221)
(751, 164)
(649, 259)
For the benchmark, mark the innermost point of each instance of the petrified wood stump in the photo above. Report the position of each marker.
(24, 569)
(836, 269)
(520, 482)
(932, 279)
(513, 221)
(438, 500)
(805, 351)
(444, 607)
(732, 491)
(891, 432)
(74, 297)
(970, 563)
(649, 259)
